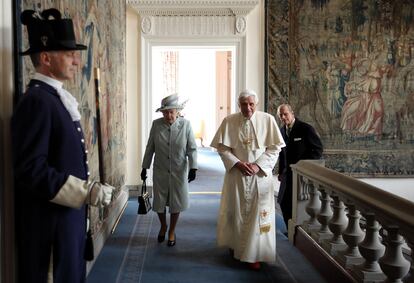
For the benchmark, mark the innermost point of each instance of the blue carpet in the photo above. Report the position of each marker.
(132, 253)
(210, 174)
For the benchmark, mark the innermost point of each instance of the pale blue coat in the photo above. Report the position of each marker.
(175, 150)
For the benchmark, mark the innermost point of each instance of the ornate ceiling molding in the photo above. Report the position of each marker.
(193, 18)
(193, 7)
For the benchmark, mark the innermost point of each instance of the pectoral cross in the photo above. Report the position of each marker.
(247, 134)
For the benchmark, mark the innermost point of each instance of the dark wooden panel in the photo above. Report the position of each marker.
(320, 259)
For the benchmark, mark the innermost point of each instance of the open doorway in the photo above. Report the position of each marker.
(204, 76)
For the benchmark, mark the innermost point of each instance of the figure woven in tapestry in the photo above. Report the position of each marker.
(347, 67)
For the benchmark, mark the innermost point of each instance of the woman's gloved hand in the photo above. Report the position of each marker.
(191, 175)
(143, 174)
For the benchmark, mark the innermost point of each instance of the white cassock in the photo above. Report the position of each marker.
(246, 220)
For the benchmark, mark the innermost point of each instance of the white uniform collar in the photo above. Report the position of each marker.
(50, 81)
(68, 101)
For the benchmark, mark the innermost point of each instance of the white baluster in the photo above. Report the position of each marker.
(313, 207)
(410, 278)
(337, 225)
(303, 193)
(353, 235)
(300, 200)
(393, 263)
(323, 217)
(371, 249)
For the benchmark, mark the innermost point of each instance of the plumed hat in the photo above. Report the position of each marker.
(171, 102)
(47, 34)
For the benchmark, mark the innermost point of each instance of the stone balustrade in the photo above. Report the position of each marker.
(366, 230)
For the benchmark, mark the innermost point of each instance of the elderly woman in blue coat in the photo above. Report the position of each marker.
(172, 142)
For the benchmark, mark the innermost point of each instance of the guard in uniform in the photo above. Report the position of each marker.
(50, 159)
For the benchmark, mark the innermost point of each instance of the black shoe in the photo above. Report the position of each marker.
(171, 243)
(231, 252)
(161, 238)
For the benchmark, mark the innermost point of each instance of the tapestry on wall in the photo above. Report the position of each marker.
(100, 25)
(347, 68)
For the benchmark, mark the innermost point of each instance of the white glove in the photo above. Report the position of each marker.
(100, 194)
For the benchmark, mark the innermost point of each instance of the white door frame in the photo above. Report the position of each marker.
(187, 23)
(147, 44)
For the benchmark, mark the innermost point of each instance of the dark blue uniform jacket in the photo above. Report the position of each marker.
(47, 147)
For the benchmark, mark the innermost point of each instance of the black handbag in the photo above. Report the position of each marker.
(144, 203)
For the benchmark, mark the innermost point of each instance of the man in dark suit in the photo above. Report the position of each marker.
(50, 159)
(302, 142)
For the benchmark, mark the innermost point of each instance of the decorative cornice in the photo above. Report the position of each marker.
(193, 7)
(191, 26)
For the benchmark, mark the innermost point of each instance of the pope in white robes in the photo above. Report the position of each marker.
(248, 143)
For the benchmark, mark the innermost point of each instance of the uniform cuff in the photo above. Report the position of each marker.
(72, 194)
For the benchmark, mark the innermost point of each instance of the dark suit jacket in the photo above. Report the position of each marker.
(302, 143)
(47, 148)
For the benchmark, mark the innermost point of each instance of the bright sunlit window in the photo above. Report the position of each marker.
(196, 75)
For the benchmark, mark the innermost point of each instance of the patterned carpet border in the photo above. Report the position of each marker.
(133, 262)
